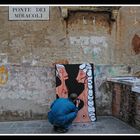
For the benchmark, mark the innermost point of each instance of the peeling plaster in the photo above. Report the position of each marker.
(29, 83)
(3, 58)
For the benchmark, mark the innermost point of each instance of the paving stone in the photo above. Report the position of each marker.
(104, 125)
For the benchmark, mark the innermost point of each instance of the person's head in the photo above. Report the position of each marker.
(73, 96)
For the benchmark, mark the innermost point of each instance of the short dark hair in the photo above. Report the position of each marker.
(73, 96)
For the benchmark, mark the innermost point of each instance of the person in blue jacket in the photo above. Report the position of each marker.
(62, 112)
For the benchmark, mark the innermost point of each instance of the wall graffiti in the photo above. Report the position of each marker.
(77, 78)
(3, 75)
(95, 46)
(88, 41)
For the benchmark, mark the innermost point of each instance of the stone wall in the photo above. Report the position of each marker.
(125, 104)
(29, 50)
(28, 92)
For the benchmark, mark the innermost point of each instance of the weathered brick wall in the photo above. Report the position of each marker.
(27, 93)
(127, 26)
(137, 111)
(125, 104)
(89, 37)
(38, 43)
(116, 99)
(30, 48)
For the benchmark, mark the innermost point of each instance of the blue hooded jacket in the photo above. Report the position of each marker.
(63, 112)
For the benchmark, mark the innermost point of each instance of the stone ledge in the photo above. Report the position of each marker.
(113, 11)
